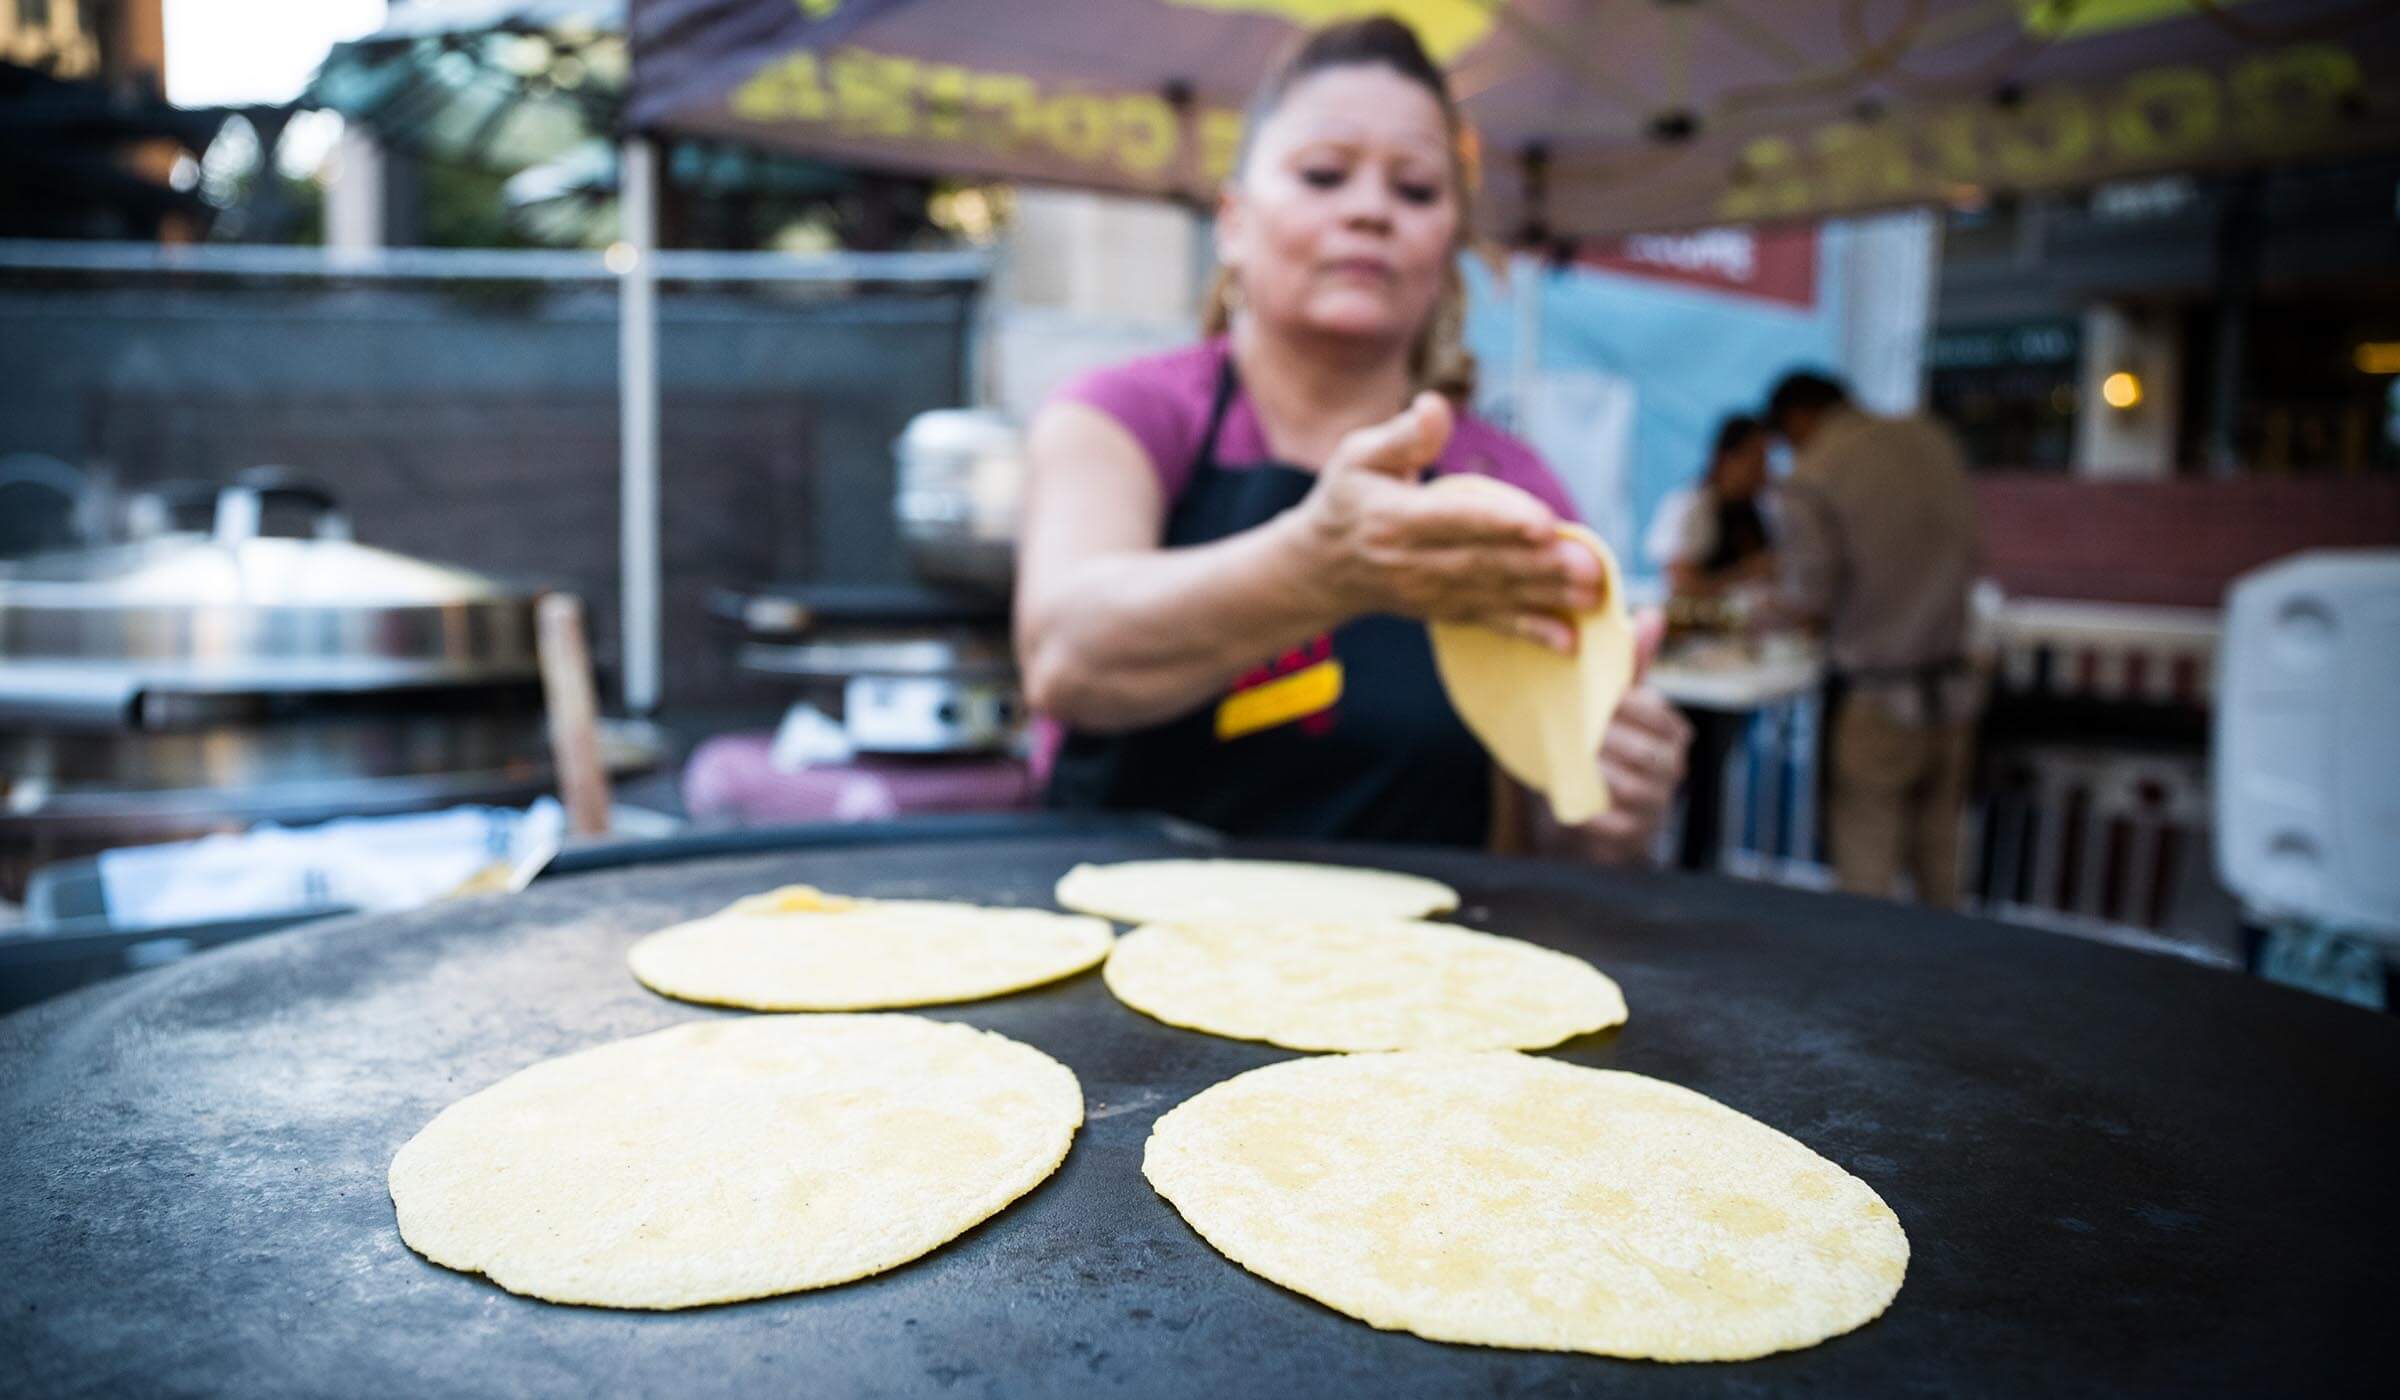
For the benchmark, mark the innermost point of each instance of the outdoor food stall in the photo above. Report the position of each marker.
(1048, 1103)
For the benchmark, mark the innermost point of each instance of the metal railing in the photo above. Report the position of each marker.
(634, 269)
(486, 264)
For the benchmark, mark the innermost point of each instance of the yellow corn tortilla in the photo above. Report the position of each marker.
(1188, 891)
(1539, 714)
(730, 1159)
(1507, 1200)
(1393, 984)
(798, 949)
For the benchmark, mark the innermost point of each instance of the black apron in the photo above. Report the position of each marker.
(1280, 754)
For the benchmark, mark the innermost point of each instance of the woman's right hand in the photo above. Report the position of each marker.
(1379, 541)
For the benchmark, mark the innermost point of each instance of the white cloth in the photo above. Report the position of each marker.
(806, 738)
(1684, 531)
(358, 863)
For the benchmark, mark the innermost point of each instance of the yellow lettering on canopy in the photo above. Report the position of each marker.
(1146, 134)
(1012, 97)
(944, 87)
(2050, 136)
(2292, 96)
(1863, 161)
(1220, 143)
(1769, 182)
(1952, 133)
(2280, 102)
(2165, 114)
(2072, 19)
(875, 93)
(1076, 125)
(1447, 28)
(783, 91)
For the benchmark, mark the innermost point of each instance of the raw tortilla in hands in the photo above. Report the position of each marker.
(1541, 715)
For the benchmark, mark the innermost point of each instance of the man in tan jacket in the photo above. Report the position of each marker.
(1880, 552)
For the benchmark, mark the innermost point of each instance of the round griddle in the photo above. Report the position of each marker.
(2118, 1172)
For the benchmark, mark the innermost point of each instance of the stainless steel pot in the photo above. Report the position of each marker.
(119, 636)
(191, 681)
(960, 480)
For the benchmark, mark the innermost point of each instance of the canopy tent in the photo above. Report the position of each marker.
(1590, 116)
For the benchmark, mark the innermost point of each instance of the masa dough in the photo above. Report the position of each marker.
(1397, 984)
(1506, 1200)
(1542, 715)
(1203, 891)
(730, 1159)
(796, 949)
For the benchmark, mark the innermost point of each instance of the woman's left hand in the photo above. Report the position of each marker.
(1642, 759)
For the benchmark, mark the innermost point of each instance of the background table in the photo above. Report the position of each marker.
(1719, 697)
(2118, 1173)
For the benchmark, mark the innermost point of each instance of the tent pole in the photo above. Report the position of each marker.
(1525, 281)
(634, 261)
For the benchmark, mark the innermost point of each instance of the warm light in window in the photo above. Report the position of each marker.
(2122, 389)
(620, 258)
(2379, 357)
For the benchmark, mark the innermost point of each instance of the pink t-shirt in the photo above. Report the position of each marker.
(1163, 400)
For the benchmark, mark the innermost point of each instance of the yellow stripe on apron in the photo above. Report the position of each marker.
(1305, 692)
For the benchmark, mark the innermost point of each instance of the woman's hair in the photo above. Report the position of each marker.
(1736, 430)
(1439, 359)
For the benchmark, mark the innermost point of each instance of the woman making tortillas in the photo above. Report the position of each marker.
(1230, 552)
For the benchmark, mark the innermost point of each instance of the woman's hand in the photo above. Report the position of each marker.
(1378, 541)
(1643, 761)
(1642, 758)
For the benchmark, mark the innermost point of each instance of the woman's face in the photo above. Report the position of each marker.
(1743, 471)
(1344, 218)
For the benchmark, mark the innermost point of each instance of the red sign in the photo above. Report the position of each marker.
(1772, 264)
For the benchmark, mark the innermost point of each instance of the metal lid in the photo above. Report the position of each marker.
(84, 634)
(193, 570)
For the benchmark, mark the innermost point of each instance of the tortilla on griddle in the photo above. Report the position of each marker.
(798, 949)
(1206, 891)
(730, 1159)
(1507, 1200)
(1392, 984)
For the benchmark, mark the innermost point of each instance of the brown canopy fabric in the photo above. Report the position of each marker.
(1590, 116)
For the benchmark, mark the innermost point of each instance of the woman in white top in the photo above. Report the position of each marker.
(1717, 535)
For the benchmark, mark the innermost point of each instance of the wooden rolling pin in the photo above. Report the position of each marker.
(574, 712)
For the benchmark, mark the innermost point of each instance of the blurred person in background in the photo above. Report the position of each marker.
(1717, 536)
(1879, 552)
(1228, 553)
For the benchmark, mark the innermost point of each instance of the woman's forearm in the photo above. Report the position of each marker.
(1120, 640)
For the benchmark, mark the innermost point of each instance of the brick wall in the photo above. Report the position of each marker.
(2176, 543)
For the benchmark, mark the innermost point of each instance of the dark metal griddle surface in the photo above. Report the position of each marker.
(2118, 1173)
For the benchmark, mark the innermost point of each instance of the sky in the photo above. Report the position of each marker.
(228, 52)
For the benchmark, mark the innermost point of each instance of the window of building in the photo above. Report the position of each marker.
(2008, 389)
